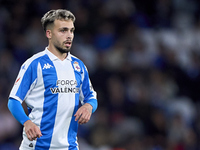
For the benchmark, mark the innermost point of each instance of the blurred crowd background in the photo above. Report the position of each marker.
(143, 57)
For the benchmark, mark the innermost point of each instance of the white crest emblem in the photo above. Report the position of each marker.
(76, 66)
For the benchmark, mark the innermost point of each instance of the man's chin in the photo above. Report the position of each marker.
(67, 48)
(63, 50)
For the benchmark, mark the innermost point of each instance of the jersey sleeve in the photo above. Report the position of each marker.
(17, 110)
(88, 95)
(25, 81)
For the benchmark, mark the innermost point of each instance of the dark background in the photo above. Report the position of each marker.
(143, 57)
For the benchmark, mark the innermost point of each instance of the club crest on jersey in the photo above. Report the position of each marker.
(76, 66)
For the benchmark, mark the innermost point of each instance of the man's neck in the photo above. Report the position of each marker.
(58, 54)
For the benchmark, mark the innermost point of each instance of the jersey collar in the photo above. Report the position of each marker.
(53, 57)
(69, 56)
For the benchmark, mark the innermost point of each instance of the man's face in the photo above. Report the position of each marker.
(62, 35)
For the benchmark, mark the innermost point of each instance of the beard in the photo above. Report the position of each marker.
(61, 48)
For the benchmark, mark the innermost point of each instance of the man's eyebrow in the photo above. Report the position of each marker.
(65, 28)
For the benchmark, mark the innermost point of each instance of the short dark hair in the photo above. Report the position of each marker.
(59, 14)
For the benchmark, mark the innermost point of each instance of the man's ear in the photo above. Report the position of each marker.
(48, 34)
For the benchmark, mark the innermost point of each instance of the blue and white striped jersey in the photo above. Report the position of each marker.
(52, 90)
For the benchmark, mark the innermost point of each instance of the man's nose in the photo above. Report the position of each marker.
(69, 34)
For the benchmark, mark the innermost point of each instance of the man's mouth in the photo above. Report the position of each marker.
(68, 43)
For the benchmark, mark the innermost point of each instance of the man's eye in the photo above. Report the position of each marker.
(62, 30)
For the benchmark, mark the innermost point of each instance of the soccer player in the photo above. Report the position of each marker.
(52, 83)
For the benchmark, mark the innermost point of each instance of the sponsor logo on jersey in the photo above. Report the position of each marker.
(76, 66)
(65, 86)
(66, 82)
(64, 90)
(47, 66)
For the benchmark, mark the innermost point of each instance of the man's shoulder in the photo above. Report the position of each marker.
(33, 59)
(74, 58)
(38, 55)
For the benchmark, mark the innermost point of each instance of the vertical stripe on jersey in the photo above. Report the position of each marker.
(88, 92)
(49, 106)
(28, 78)
(72, 133)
